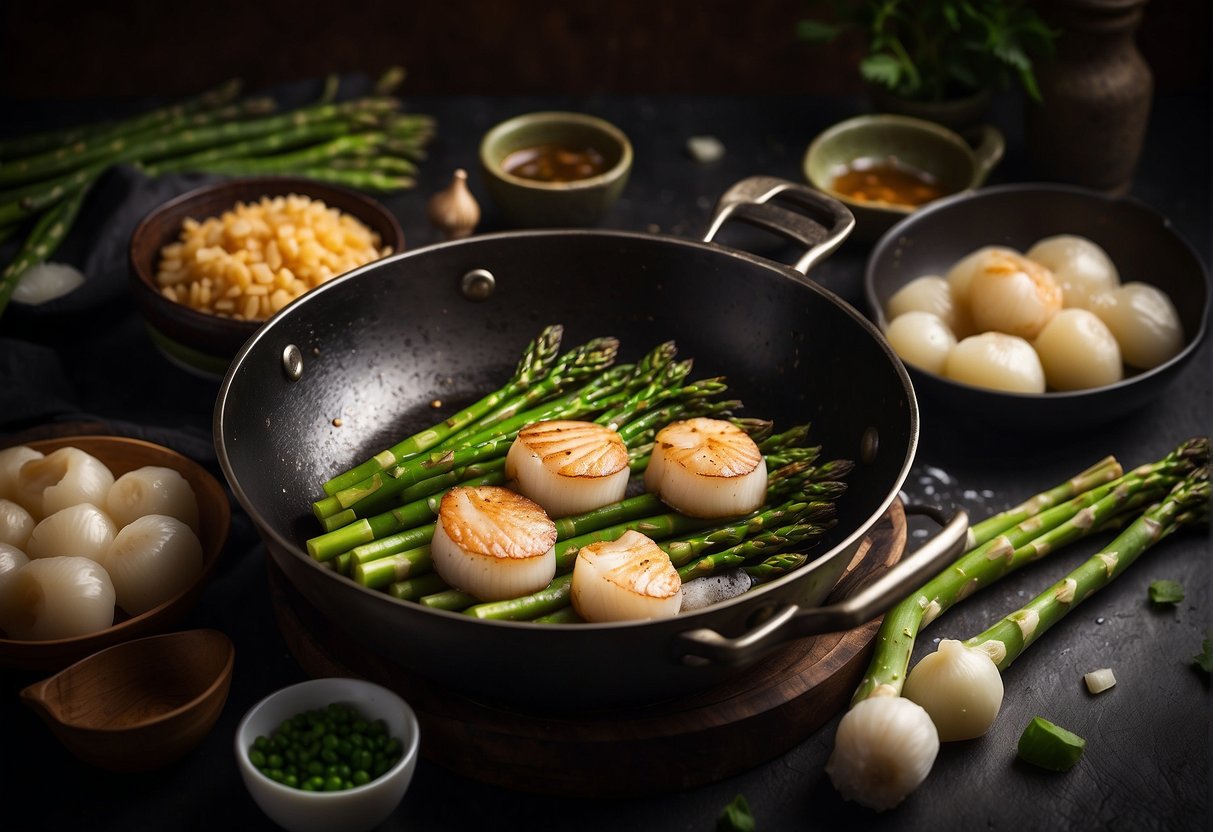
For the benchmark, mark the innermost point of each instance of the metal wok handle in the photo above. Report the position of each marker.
(704, 646)
(795, 212)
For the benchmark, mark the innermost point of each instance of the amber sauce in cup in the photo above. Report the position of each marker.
(886, 180)
(554, 163)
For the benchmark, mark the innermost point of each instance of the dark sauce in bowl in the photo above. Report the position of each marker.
(554, 163)
(887, 181)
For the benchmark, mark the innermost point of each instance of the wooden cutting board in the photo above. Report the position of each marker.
(753, 718)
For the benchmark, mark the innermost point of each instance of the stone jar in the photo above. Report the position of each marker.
(1096, 93)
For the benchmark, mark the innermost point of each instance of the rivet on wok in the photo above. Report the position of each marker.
(292, 362)
(869, 444)
(478, 284)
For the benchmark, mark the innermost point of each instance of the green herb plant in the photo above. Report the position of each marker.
(934, 50)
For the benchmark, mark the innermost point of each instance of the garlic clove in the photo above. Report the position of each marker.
(960, 687)
(453, 210)
(883, 750)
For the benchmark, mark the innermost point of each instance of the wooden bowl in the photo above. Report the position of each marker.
(140, 704)
(123, 454)
(197, 341)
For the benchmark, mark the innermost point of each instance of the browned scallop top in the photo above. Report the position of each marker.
(496, 522)
(576, 449)
(710, 447)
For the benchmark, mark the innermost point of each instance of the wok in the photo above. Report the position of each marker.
(377, 347)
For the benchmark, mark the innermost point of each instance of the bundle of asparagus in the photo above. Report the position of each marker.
(367, 143)
(379, 515)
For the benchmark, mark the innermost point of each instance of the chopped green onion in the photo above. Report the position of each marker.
(1050, 746)
(736, 817)
(1166, 592)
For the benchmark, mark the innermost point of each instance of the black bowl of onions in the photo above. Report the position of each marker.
(1038, 308)
(103, 539)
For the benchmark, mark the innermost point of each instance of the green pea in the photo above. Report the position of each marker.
(333, 784)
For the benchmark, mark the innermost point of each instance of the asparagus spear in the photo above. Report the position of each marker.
(41, 242)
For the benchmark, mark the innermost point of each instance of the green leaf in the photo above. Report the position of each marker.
(817, 31)
(736, 817)
(1166, 592)
(1204, 660)
(881, 69)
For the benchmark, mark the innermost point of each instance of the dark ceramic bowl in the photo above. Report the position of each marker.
(1140, 241)
(529, 203)
(197, 341)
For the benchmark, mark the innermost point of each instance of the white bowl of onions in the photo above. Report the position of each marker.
(103, 539)
(1038, 308)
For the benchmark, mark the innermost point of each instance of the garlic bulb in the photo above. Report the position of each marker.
(453, 210)
(960, 687)
(884, 749)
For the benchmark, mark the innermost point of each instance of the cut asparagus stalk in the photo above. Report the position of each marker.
(1049, 746)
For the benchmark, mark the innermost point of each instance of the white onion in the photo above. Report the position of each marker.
(626, 579)
(1078, 351)
(11, 460)
(152, 559)
(707, 468)
(60, 479)
(960, 687)
(1012, 294)
(83, 530)
(568, 467)
(921, 339)
(1098, 681)
(998, 362)
(47, 281)
(930, 293)
(11, 559)
(493, 543)
(15, 523)
(152, 489)
(53, 598)
(884, 749)
(1079, 265)
(1144, 321)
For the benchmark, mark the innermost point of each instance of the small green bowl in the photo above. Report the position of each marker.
(956, 163)
(532, 203)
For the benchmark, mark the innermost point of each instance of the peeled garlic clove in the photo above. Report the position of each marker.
(1012, 294)
(921, 339)
(1080, 266)
(82, 529)
(16, 524)
(1143, 320)
(883, 750)
(60, 479)
(960, 687)
(998, 362)
(1078, 351)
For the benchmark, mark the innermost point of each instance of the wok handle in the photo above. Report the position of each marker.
(704, 646)
(795, 212)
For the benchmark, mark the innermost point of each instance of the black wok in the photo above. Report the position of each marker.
(377, 347)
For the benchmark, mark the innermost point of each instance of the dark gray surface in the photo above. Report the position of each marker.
(1147, 759)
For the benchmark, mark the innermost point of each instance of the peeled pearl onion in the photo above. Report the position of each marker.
(883, 750)
(960, 687)
(11, 559)
(1143, 320)
(1078, 351)
(152, 559)
(921, 339)
(82, 530)
(929, 293)
(960, 276)
(15, 523)
(1010, 293)
(60, 479)
(53, 598)
(11, 460)
(998, 362)
(152, 489)
(1080, 266)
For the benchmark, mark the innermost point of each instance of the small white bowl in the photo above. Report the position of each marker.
(351, 810)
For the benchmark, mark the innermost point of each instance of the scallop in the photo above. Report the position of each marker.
(1144, 321)
(493, 543)
(996, 361)
(921, 339)
(15, 523)
(54, 598)
(568, 467)
(1010, 293)
(60, 479)
(707, 468)
(82, 529)
(626, 579)
(11, 460)
(930, 293)
(1078, 351)
(152, 489)
(152, 559)
(1079, 265)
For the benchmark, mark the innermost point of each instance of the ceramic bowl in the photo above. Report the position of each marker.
(526, 202)
(1140, 242)
(141, 704)
(953, 162)
(122, 454)
(352, 810)
(198, 341)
